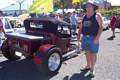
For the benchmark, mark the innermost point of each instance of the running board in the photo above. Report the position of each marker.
(70, 54)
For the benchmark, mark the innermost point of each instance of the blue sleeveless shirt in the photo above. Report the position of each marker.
(90, 25)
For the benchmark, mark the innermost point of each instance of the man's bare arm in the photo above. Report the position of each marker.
(100, 22)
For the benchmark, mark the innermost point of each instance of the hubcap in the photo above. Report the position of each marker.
(54, 62)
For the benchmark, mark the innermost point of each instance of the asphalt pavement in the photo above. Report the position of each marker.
(107, 66)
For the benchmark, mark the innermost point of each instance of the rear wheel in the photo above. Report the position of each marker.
(9, 53)
(52, 61)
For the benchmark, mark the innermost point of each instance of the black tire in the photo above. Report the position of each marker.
(44, 68)
(9, 53)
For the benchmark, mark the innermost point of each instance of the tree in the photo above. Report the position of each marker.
(20, 2)
(41, 6)
(68, 3)
(78, 3)
(56, 4)
(83, 1)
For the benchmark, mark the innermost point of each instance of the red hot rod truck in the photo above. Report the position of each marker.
(46, 40)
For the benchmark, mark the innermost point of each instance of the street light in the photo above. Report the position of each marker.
(105, 1)
(20, 2)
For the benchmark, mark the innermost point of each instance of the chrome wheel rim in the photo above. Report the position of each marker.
(54, 61)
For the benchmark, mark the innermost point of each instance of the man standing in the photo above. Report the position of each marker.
(91, 29)
(112, 26)
(73, 21)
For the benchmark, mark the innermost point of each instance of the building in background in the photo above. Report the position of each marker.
(13, 8)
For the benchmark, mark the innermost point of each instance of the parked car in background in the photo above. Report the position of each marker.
(15, 22)
(117, 25)
(12, 24)
(106, 23)
(9, 26)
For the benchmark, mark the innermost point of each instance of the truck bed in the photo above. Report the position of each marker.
(21, 40)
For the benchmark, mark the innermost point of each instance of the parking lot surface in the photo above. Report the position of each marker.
(107, 66)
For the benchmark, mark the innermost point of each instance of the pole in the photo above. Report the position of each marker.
(105, 4)
(20, 11)
(20, 5)
(63, 7)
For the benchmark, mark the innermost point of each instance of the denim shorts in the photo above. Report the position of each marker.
(88, 44)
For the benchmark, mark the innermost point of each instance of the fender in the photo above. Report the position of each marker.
(44, 48)
(39, 55)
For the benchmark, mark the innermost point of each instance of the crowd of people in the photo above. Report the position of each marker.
(71, 18)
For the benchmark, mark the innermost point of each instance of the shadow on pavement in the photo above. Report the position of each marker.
(78, 76)
(118, 44)
(117, 32)
(20, 70)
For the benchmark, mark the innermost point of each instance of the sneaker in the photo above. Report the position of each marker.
(111, 38)
(91, 74)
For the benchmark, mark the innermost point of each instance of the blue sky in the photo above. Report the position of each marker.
(5, 3)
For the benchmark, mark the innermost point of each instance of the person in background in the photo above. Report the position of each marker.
(1, 24)
(91, 29)
(112, 26)
(57, 16)
(67, 17)
(73, 22)
(1, 27)
(61, 17)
